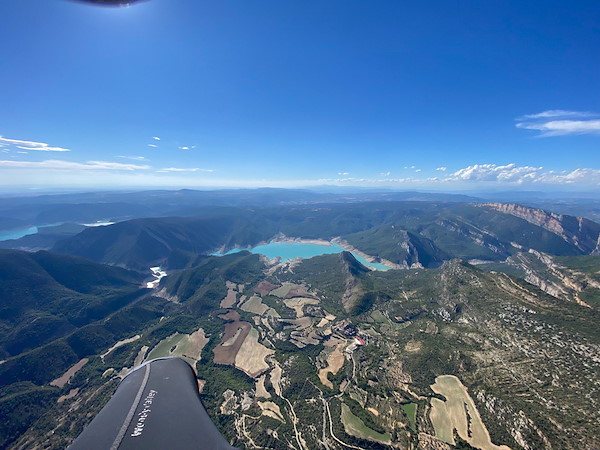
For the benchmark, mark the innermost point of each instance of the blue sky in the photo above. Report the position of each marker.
(495, 94)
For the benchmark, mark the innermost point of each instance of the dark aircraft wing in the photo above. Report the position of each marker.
(111, 2)
(156, 406)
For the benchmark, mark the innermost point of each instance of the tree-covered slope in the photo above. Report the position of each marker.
(405, 233)
(527, 359)
(44, 295)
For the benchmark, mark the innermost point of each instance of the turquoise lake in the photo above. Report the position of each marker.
(17, 234)
(287, 251)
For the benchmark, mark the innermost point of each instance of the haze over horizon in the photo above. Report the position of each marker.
(235, 94)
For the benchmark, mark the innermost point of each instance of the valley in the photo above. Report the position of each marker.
(284, 249)
(320, 351)
(299, 225)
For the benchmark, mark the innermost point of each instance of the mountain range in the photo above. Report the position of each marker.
(490, 306)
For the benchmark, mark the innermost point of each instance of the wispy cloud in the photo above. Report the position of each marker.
(441, 169)
(181, 169)
(187, 148)
(134, 158)
(558, 122)
(45, 149)
(32, 145)
(7, 141)
(152, 145)
(369, 181)
(552, 113)
(54, 164)
(385, 174)
(343, 174)
(156, 138)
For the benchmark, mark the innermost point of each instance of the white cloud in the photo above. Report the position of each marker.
(54, 164)
(513, 174)
(551, 113)
(563, 127)
(152, 145)
(510, 173)
(560, 123)
(441, 169)
(385, 174)
(32, 145)
(179, 169)
(20, 142)
(343, 174)
(135, 158)
(45, 149)
(187, 148)
(156, 138)
(418, 170)
(486, 175)
(409, 167)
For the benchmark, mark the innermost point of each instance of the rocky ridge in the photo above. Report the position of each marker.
(551, 277)
(581, 232)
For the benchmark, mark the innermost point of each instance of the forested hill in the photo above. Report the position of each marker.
(16, 212)
(405, 233)
(46, 295)
(272, 346)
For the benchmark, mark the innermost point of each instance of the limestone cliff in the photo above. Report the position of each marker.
(581, 232)
(553, 278)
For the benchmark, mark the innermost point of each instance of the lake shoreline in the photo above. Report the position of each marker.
(337, 243)
(346, 246)
(282, 239)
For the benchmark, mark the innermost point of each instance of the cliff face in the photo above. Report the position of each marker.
(581, 232)
(553, 278)
(354, 277)
(597, 249)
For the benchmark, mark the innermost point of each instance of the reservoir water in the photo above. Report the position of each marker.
(21, 232)
(17, 234)
(287, 251)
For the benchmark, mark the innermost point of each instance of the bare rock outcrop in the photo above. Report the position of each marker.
(578, 231)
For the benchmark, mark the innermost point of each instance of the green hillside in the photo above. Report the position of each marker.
(406, 233)
(503, 338)
(322, 348)
(45, 295)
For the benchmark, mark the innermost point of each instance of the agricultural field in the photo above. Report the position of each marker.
(458, 413)
(252, 355)
(66, 377)
(411, 412)
(186, 346)
(356, 427)
(330, 355)
(231, 342)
